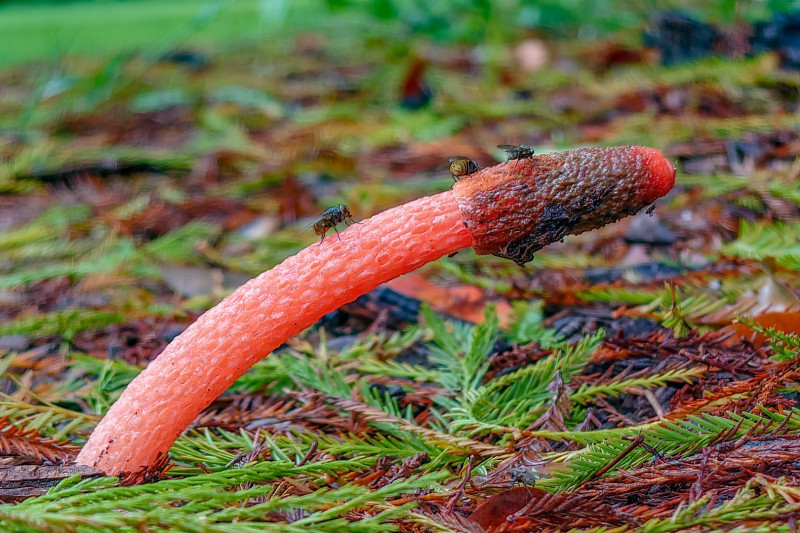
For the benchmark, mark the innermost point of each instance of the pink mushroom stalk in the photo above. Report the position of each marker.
(511, 210)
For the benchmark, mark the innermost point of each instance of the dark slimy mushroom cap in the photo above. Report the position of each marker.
(516, 210)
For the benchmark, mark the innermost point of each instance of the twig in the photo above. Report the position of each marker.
(451, 507)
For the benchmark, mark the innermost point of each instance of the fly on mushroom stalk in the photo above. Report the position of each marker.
(330, 218)
(515, 152)
(461, 166)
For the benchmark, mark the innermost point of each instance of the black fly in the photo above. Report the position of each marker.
(524, 476)
(330, 218)
(516, 151)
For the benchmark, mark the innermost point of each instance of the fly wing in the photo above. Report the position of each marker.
(309, 225)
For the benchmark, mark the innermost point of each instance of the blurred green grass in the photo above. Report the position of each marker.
(33, 31)
(46, 30)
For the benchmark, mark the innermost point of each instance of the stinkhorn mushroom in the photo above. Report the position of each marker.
(511, 210)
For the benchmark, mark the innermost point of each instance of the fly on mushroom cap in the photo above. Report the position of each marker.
(516, 151)
(330, 218)
(461, 166)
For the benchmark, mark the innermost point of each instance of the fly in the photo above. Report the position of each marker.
(330, 218)
(523, 476)
(461, 166)
(515, 152)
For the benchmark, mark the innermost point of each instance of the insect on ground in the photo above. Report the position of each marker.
(330, 218)
(516, 152)
(461, 166)
(505, 477)
(523, 475)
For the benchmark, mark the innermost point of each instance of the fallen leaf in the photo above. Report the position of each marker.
(785, 321)
(495, 510)
(466, 301)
